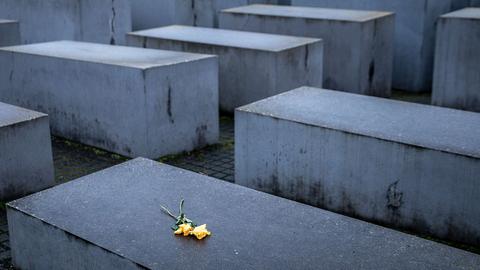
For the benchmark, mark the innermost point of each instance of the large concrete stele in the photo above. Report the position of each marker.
(414, 34)
(456, 80)
(252, 66)
(26, 163)
(101, 21)
(112, 220)
(358, 45)
(155, 13)
(405, 165)
(9, 33)
(131, 101)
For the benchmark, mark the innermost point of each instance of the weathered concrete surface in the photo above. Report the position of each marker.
(131, 101)
(101, 21)
(358, 45)
(401, 164)
(475, 3)
(26, 163)
(9, 33)
(155, 13)
(414, 34)
(112, 220)
(456, 80)
(252, 66)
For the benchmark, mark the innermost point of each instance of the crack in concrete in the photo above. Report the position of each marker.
(112, 24)
(194, 13)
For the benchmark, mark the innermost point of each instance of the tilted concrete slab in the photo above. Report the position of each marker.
(252, 66)
(456, 81)
(9, 33)
(148, 14)
(112, 220)
(358, 45)
(100, 21)
(26, 162)
(414, 34)
(131, 101)
(401, 164)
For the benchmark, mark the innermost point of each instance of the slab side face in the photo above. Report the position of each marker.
(9, 33)
(26, 163)
(148, 14)
(344, 160)
(457, 61)
(101, 98)
(100, 21)
(140, 232)
(245, 74)
(414, 34)
(347, 35)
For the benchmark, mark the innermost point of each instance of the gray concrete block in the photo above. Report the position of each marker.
(358, 45)
(9, 33)
(456, 81)
(252, 66)
(101, 21)
(155, 13)
(131, 101)
(112, 220)
(414, 34)
(400, 164)
(26, 163)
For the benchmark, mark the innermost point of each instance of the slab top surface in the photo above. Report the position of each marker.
(228, 38)
(309, 12)
(106, 54)
(431, 127)
(466, 13)
(118, 209)
(10, 115)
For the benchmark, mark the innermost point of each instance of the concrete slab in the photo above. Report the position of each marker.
(475, 3)
(131, 101)
(456, 81)
(401, 164)
(112, 220)
(414, 34)
(148, 14)
(358, 45)
(252, 66)
(100, 21)
(26, 163)
(9, 33)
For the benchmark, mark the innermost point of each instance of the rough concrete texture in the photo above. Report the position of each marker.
(456, 80)
(414, 34)
(101, 21)
(138, 234)
(358, 45)
(131, 101)
(155, 13)
(252, 66)
(26, 163)
(400, 164)
(9, 33)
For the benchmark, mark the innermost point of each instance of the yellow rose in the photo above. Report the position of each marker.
(200, 232)
(184, 228)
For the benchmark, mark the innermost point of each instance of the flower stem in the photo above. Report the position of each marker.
(168, 212)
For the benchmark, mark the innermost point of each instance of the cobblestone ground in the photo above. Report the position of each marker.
(73, 160)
